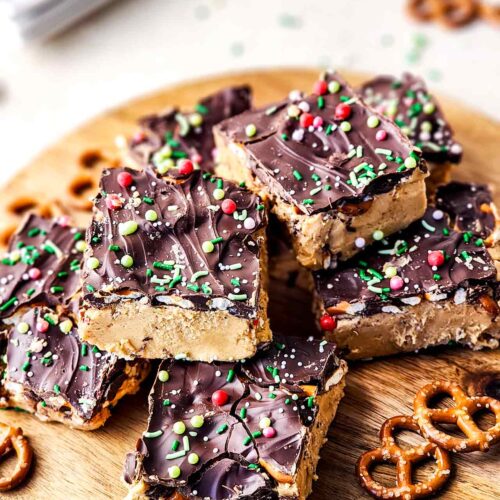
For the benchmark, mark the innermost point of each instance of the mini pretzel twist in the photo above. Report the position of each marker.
(461, 415)
(450, 13)
(403, 459)
(13, 438)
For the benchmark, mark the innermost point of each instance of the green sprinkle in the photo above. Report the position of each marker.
(310, 401)
(436, 277)
(297, 175)
(33, 232)
(148, 200)
(308, 201)
(219, 239)
(256, 434)
(56, 289)
(164, 266)
(175, 445)
(243, 412)
(9, 303)
(153, 434)
(84, 368)
(113, 248)
(247, 441)
(321, 102)
(90, 288)
(166, 402)
(230, 376)
(26, 366)
(479, 242)
(57, 389)
(84, 350)
(237, 296)
(223, 428)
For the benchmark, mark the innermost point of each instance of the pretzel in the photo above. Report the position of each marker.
(404, 459)
(490, 12)
(13, 438)
(461, 415)
(450, 13)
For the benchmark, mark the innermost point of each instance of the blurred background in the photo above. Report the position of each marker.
(57, 70)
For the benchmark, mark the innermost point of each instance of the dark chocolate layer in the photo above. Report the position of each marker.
(321, 151)
(469, 206)
(168, 238)
(234, 419)
(45, 355)
(189, 135)
(369, 282)
(407, 101)
(42, 265)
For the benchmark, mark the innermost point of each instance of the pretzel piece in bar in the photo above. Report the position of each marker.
(404, 459)
(13, 438)
(461, 415)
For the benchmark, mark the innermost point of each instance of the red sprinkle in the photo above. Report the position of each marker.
(220, 397)
(342, 111)
(435, 258)
(328, 322)
(318, 121)
(396, 283)
(320, 87)
(381, 135)
(269, 432)
(228, 206)
(185, 167)
(306, 120)
(124, 179)
(196, 158)
(34, 273)
(42, 326)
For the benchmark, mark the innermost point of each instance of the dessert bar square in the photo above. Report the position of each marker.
(432, 283)
(407, 101)
(46, 369)
(49, 372)
(253, 429)
(337, 173)
(176, 266)
(172, 135)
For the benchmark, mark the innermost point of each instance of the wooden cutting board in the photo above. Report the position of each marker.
(78, 465)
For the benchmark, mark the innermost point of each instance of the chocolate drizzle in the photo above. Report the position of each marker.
(177, 130)
(408, 102)
(317, 156)
(169, 254)
(52, 363)
(468, 270)
(41, 266)
(228, 437)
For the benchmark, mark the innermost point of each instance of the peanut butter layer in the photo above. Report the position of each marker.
(325, 161)
(176, 266)
(433, 283)
(239, 430)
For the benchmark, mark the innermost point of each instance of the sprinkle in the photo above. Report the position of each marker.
(207, 247)
(174, 472)
(66, 326)
(179, 427)
(410, 162)
(127, 261)
(9, 303)
(250, 130)
(230, 375)
(57, 389)
(373, 121)
(23, 327)
(297, 175)
(223, 428)
(151, 216)
(240, 296)
(163, 376)
(345, 127)
(428, 226)
(127, 228)
(197, 421)
(193, 458)
(153, 434)
(93, 263)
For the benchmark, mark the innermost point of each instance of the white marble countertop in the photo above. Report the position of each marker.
(135, 46)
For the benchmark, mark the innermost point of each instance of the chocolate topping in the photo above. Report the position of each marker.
(470, 207)
(365, 281)
(408, 102)
(319, 152)
(48, 362)
(165, 239)
(189, 134)
(41, 266)
(224, 424)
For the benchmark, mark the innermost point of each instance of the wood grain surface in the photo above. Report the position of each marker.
(77, 465)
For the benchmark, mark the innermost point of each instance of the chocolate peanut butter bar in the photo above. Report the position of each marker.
(250, 429)
(432, 283)
(168, 137)
(176, 266)
(51, 373)
(336, 171)
(407, 101)
(46, 369)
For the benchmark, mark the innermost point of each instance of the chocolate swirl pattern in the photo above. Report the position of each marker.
(210, 425)
(430, 259)
(190, 134)
(42, 265)
(320, 151)
(194, 237)
(407, 101)
(47, 359)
